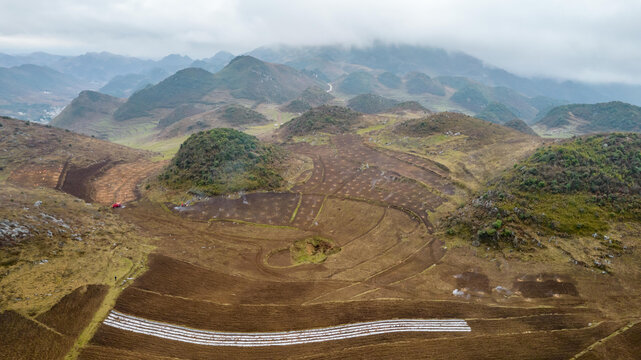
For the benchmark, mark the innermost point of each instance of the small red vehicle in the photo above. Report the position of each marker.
(116, 205)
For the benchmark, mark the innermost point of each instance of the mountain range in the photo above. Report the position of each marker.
(38, 85)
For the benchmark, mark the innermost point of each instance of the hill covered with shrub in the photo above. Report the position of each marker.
(370, 103)
(329, 119)
(579, 187)
(592, 118)
(222, 161)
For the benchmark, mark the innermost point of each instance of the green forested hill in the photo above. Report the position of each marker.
(591, 118)
(222, 161)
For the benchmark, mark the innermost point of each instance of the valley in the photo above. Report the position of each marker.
(354, 234)
(315, 202)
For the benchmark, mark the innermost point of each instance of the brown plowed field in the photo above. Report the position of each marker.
(22, 338)
(176, 278)
(267, 317)
(51, 334)
(82, 303)
(624, 345)
(118, 183)
(503, 345)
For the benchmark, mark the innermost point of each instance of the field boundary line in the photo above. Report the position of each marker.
(601, 341)
(300, 201)
(41, 324)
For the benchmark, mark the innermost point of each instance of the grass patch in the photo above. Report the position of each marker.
(313, 250)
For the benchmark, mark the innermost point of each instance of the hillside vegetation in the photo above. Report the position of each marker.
(591, 118)
(412, 106)
(222, 161)
(453, 124)
(88, 107)
(419, 83)
(575, 188)
(311, 97)
(185, 86)
(244, 77)
(249, 78)
(390, 80)
(359, 82)
(476, 97)
(329, 119)
(520, 125)
(230, 116)
(370, 103)
(496, 113)
(316, 96)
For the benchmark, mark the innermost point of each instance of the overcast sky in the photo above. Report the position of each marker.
(585, 40)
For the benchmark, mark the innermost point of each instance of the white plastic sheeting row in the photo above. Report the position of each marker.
(218, 338)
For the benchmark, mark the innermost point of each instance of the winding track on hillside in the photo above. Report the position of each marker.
(340, 332)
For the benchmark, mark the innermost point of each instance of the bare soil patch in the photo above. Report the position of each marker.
(280, 258)
(78, 179)
(545, 285)
(473, 281)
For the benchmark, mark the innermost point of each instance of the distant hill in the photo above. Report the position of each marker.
(454, 124)
(370, 103)
(123, 86)
(311, 97)
(359, 82)
(100, 67)
(244, 77)
(223, 161)
(316, 96)
(411, 106)
(476, 97)
(32, 92)
(185, 86)
(214, 63)
(32, 83)
(403, 58)
(592, 118)
(419, 83)
(520, 125)
(496, 113)
(390, 80)
(179, 113)
(328, 119)
(249, 78)
(228, 116)
(296, 106)
(87, 109)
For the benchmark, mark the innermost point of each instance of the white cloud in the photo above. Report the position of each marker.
(590, 40)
